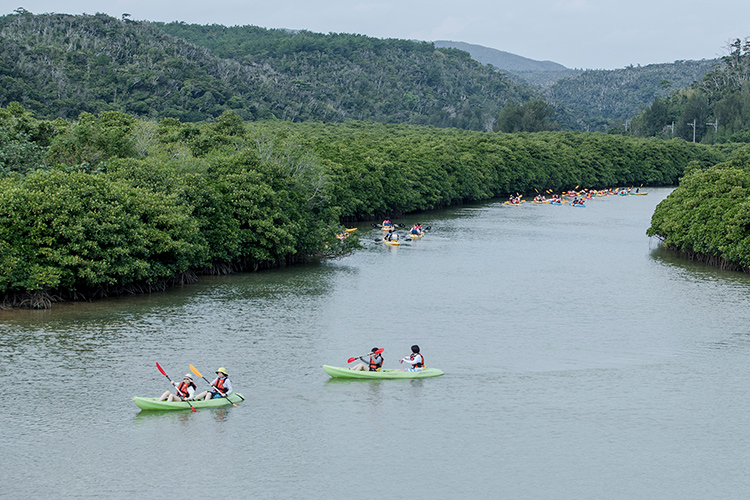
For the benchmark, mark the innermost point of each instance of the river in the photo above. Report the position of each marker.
(581, 361)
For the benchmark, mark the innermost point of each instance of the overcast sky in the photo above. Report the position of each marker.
(589, 34)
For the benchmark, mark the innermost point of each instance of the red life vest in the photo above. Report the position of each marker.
(375, 367)
(220, 385)
(182, 389)
(417, 365)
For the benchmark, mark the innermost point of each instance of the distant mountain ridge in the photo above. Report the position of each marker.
(501, 59)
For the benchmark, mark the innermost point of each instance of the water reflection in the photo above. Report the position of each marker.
(150, 416)
(699, 273)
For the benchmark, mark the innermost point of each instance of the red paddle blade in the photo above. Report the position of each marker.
(379, 351)
(193, 408)
(162, 371)
(350, 360)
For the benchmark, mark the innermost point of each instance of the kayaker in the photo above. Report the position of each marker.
(415, 359)
(387, 223)
(374, 364)
(183, 391)
(416, 229)
(392, 235)
(221, 385)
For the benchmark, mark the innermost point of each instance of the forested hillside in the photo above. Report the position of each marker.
(714, 109)
(59, 65)
(364, 78)
(601, 99)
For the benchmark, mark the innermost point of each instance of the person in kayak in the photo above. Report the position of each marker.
(374, 364)
(221, 386)
(387, 223)
(416, 229)
(415, 359)
(392, 235)
(184, 391)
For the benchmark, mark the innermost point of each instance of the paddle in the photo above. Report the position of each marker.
(195, 370)
(165, 374)
(379, 351)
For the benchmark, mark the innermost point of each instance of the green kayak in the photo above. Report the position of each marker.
(336, 372)
(155, 404)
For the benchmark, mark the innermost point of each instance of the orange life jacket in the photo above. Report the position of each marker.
(220, 385)
(182, 389)
(417, 365)
(375, 367)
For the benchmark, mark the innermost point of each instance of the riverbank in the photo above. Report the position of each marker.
(119, 205)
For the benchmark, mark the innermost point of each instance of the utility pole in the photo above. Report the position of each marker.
(627, 124)
(715, 125)
(693, 125)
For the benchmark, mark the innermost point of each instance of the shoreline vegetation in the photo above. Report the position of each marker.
(110, 204)
(707, 218)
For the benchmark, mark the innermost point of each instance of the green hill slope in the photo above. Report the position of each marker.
(59, 65)
(358, 77)
(598, 98)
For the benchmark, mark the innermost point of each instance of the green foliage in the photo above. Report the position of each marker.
(708, 215)
(23, 140)
(77, 231)
(92, 140)
(532, 116)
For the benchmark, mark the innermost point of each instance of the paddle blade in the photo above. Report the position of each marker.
(379, 351)
(160, 369)
(350, 360)
(192, 408)
(195, 370)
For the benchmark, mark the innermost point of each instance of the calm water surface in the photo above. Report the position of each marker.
(581, 361)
